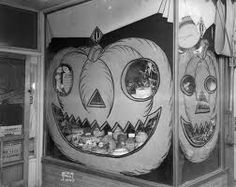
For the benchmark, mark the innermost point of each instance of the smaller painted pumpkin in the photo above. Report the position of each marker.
(199, 93)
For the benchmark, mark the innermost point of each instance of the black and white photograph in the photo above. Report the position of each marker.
(111, 93)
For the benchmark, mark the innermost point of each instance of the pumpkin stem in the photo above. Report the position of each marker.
(94, 53)
(202, 50)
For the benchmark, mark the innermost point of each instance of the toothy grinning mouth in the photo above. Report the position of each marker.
(104, 140)
(198, 135)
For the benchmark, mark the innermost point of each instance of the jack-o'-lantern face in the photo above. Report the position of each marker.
(198, 105)
(110, 108)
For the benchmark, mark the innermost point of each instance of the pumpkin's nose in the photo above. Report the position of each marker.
(202, 104)
(96, 100)
(202, 97)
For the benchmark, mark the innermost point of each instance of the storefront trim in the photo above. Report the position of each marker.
(206, 178)
(22, 51)
(175, 125)
(116, 177)
(64, 5)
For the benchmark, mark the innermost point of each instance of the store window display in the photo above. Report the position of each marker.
(199, 112)
(101, 117)
(109, 101)
(127, 100)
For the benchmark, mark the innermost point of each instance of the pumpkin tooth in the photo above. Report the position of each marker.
(78, 120)
(153, 116)
(195, 129)
(202, 129)
(106, 127)
(117, 127)
(86, 123)
(207, 126)
(129, 128)
(72, 119)
(139, 126)
(94, 124)
(188, 127)
(66, 116)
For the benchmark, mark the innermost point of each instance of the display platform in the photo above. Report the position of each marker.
(60, 173)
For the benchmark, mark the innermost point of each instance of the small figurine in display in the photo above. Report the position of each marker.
(98, 133)
(140, 138)
(130, 143)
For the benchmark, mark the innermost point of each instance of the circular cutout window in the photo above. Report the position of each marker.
(140, 79)
(188, 85)
(210, 84)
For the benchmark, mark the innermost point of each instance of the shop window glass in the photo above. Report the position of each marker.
(12, 122)
(199, 125)
(18, 27)
(109, 100)
(12, 83)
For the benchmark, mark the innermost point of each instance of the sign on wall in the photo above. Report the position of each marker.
(12, 151)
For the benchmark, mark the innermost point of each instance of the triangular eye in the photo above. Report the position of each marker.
(96, 100)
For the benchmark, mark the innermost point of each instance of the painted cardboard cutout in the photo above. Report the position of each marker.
(110, 108)
(199, 125)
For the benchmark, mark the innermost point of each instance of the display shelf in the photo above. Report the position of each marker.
(82, 175)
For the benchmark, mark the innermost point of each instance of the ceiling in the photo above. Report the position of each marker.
(39, 4)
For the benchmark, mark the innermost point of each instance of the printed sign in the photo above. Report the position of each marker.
(12, 151)
(67, 176)
(10, 130)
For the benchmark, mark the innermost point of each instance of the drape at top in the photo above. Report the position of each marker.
(224, 32)
(80, 20)
(108, 15)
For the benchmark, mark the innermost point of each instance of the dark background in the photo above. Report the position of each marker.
(19, 28)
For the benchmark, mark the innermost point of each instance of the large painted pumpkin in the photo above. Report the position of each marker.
(199, 123)
(111, 108)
